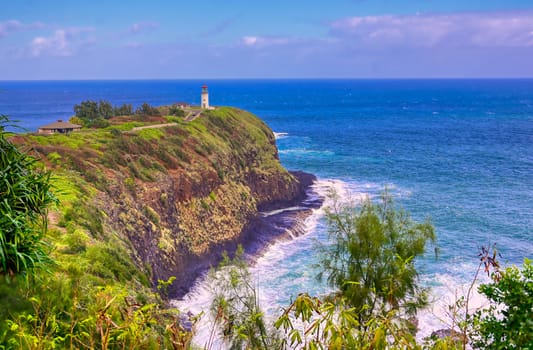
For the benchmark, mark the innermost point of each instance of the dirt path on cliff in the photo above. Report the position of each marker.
(188, 118)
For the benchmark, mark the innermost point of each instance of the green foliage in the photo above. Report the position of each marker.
(105, 109)
(96, 114)
(115, 132)
(25, 197)
(146, 110)
(130, 184)
(110, 318)
(176, 111)
(110, 261)
(371, 261)
(75, 120)
(76, 241)
(163, 285)
(235, 309)
(54, 158)
(89, 218)
(97, 123)
(173, 119)
(87, 110)
(152, 215)
(125, 109)
(508, 322)
(150, 134)
(311, 323)
(127, 126)
(93, 114)
(205, 205)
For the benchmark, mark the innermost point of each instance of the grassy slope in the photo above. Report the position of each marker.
(97, 264)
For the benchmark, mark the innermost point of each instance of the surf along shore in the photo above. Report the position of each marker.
(275, 221)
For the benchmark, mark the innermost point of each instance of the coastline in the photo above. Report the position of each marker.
(275, 221)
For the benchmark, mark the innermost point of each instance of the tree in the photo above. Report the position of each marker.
(176, 111)
(508, 322)
(236, 310)
(125, 109)
(75, 120)
(87, 110)
(105, 109)
(25, 197)
(93, 114)
(146, 110)
(371, 261)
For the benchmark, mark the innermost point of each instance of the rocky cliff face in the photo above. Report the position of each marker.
(176, 196)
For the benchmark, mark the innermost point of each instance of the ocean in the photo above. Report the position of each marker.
(457, 151)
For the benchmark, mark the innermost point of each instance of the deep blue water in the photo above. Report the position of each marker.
(458, 151)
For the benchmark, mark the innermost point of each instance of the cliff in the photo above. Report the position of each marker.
(173, 197)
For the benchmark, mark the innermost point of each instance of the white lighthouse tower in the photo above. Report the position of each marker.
(205, 98)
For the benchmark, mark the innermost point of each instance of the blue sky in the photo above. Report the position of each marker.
(161, 39)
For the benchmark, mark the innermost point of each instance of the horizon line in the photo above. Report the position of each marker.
(262, 78)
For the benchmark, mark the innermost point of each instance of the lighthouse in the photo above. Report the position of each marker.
(205, 98)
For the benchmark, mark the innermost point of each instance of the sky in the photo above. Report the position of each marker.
(238, 39)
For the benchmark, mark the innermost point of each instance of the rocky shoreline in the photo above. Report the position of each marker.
(275, 221)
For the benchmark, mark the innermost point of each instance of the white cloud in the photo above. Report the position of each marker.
(14, 25)
(489, 29)
(63, 42)
(9, 26)
(249, 40)
(264, 41)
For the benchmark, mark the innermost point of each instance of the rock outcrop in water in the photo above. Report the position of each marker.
(174, 197)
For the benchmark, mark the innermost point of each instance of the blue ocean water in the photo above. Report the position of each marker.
(457, 151)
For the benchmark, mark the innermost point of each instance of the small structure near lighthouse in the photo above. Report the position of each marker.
(59, 127)
(205, 98)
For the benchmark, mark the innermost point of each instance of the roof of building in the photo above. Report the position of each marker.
(61, 125)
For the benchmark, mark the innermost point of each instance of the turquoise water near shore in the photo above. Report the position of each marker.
(458, 151)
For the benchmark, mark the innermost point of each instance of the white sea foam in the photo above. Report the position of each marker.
(306, 152)
(279, 211)
(266, 269)
(280, 135)
(287, 267)
(446, 290)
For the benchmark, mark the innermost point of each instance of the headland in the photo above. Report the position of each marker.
(172, 194)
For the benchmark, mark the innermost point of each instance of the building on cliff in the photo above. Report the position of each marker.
(59, 127)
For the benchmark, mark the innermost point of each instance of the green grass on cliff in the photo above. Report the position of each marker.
(212, 136)
(99, 281)
(94, 279)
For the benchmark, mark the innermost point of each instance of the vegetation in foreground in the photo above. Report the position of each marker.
(61, 287)
(94, 297)
(25, 197)
(360, 260)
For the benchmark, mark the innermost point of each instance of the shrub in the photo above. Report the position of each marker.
(371, 260)
(508, 322)
(176, 111)
(146, 110)
(77, 241)
(26, 195)
(235, 308)
(54, 158)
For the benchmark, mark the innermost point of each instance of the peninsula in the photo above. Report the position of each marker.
(166, 195)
